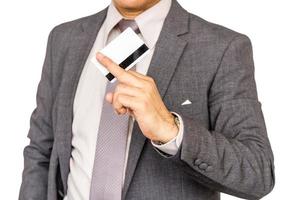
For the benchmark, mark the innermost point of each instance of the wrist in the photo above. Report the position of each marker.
(169, 130)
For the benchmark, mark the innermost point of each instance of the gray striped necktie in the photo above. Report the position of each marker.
(107, 177)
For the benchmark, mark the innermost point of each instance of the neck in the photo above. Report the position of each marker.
(131, 13)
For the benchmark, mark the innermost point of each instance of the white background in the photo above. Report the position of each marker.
(272, 25)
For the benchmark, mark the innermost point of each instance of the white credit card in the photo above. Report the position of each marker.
(126, 50)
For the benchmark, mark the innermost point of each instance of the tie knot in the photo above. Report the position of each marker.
(125, 23)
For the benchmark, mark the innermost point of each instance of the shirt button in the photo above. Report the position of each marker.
(197, 162)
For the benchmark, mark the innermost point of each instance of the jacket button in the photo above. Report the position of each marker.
(209, 169)
(197, 162)
(203, 166)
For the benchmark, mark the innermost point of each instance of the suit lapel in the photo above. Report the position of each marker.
(82, 40)
(168, 51)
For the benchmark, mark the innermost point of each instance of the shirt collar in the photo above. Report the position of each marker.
(112, 18)
(150, 22)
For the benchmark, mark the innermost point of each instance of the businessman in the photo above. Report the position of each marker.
(184, 123)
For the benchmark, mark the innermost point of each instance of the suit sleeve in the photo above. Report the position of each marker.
(233, 155)
(37, 153)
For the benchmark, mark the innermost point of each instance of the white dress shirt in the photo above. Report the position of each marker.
(90, 95)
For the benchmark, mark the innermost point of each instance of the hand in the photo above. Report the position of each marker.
(137, 95)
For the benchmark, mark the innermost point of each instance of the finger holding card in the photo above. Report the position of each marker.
(114, 69)
(125, 50)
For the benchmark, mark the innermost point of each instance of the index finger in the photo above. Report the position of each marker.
(115, 69)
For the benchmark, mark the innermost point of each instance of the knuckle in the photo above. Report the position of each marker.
(120, 98)
(150, 79)
(148, 86)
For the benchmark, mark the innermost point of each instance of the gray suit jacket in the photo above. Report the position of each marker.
(225, 146)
